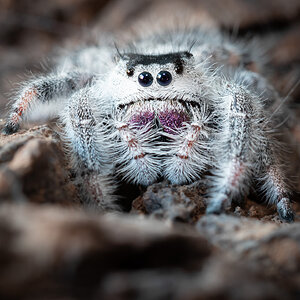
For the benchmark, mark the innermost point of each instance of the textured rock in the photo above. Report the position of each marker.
(88, 256)
(34, 168)
(186, 204)
(65, 250)
(163, 201)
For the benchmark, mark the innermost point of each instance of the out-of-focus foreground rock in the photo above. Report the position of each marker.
(53, 247)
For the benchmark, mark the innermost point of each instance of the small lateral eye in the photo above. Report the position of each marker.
(145, 79)
(130, 72)
(164, 78)
(179, 69)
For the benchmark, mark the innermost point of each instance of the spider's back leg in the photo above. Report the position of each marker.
(272, 177)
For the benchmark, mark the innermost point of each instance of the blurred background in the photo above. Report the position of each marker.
(31, 31)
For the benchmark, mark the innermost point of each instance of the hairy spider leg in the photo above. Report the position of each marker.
(85, 135)
(42, 90)
(273, 184)
(232, 174)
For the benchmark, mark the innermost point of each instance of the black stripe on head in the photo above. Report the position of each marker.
(177, 58)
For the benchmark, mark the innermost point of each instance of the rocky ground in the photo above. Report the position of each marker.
(164, 247)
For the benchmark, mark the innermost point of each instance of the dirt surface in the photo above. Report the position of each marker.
(164, 247)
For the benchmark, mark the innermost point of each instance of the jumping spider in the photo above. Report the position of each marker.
(182, 106)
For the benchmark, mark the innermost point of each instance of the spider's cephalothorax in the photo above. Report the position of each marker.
(151, 112)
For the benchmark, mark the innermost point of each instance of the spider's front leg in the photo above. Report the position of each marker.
(43, 90)
(85, 132)
(247, 151)
(235, 150)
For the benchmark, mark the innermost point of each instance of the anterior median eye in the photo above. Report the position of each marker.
(164, 78)
(145, 79)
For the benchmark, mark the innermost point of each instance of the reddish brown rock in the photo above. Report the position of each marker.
(35, 168)
(66, 252)
(176, 203)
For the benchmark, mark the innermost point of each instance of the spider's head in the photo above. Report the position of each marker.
(139, 77)
(155, 86)
(173, 61)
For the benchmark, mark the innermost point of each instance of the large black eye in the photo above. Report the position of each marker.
(164, 78)
(145, 79)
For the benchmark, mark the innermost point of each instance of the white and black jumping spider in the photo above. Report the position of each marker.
(182, 106)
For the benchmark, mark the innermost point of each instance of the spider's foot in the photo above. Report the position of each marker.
(285, 210)
(217, 205)
(10, 128)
